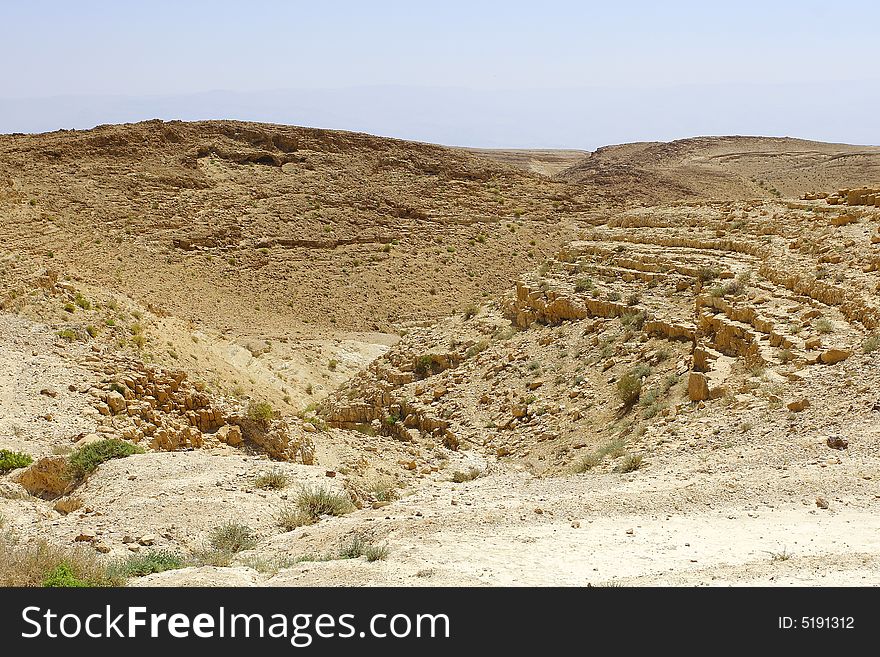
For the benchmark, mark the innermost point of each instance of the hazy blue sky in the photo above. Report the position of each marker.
(406, 68)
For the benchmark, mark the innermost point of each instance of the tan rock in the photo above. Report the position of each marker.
(813, 343)
(115, 401)
(67, 505)
(832, 356)
(698, 386)
(47, 478)
(799, 405)
(229, 434)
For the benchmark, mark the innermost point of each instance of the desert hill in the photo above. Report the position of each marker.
(725, 168)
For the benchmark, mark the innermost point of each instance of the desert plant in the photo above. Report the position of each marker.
(614, 448)
(354, 548)
(630, 463)
(273, 479)
(375, 552)
(823, 325)
(470, 311)
(260, 411)
(629, 387)
(706, 274)
(583, 285)
(232, 537)
(43, 564)
(871, 344)
(10, 460)
(588, 462)
(290, 517)
(316, 501)
(332, 364)
(154, 561)
(786, 356)
(82, 302)
(383, 490)
(62, 576)
(86, 459)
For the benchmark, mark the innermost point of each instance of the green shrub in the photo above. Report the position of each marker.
(86, 459)
(470, 311)
(629, 387)
(232, 537)
(11, 460)
(154, 561)
(260, 411)
(824, 326)
(62, 576)
(82, 302)
(332, 364)
(583, 285)
(871, 344)
(68, 334)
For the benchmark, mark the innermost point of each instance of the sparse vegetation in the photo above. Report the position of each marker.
(43, 564)
(360, 546)
(260, 411)
(822, 325)
(315, 501)
(10, 460)
(629, 386)
(871, 344)
(154, 561)
(383, 490)
(232, 537)
(85, 460)
(273, 479)
(583, 285)
(630, 463)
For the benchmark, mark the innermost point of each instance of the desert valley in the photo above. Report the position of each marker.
(246, 354)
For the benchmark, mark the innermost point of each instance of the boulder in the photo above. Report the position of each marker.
(831, 356)
(47, 478)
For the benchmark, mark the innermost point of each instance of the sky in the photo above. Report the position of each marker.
(552, 73)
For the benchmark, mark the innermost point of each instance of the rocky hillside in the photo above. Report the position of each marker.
(723, 168)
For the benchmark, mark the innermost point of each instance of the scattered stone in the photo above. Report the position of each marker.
(836, 442)
(832, 356)
(67, 505)
(86, 536)
(799, 405)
